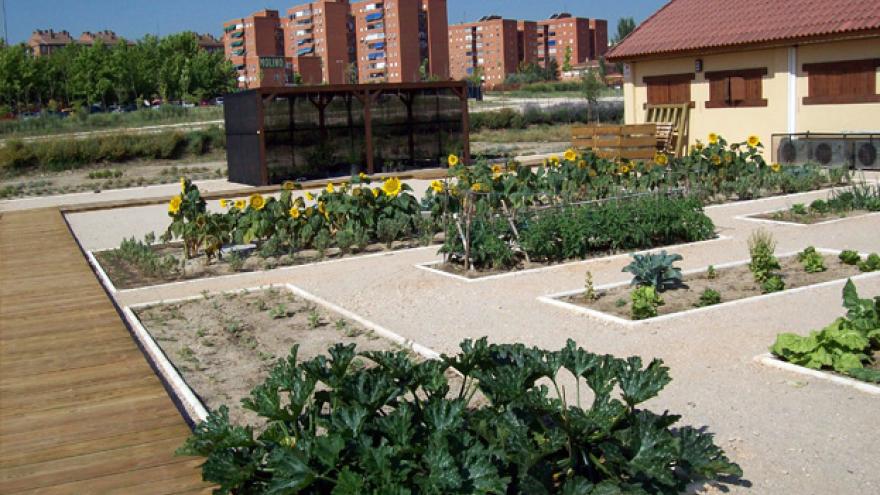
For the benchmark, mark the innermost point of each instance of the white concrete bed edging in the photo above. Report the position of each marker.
(112, 288)
(428, 267)
(751, 218)
(192, 405)
(102, 275)
(556, 299)
(773, 362)
(730, 204)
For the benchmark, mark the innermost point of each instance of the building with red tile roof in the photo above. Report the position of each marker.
(772, 69)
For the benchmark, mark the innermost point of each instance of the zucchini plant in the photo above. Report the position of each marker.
(398, 426)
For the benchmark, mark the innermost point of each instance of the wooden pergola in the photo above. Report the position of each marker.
(248, 122)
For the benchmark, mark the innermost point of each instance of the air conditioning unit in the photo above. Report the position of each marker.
(792, 150)
(866, 154)
(828, 152)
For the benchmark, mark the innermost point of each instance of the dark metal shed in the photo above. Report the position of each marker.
(311, 132)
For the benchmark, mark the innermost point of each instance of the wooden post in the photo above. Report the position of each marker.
(407, 99)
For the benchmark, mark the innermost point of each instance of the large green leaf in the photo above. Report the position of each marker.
(639, 385)
(290, 473)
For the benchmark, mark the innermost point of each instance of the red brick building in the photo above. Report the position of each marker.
(492, 44)
(321, 30)
(561, 34)
(255, 46)
(395, 38)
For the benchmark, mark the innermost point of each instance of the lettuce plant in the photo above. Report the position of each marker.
(871, 263)
(398, 427)
(811, 259)
(709, 297)
(850, 257)
(645, 301)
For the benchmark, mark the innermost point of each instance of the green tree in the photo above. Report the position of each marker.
(625, 25)
(566, 62)
(591, 88)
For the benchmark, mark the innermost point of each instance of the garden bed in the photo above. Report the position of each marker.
(810, 218)
(224, 345)
(126, 273)
(733, 283)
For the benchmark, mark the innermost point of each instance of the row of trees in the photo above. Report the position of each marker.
(170, 68)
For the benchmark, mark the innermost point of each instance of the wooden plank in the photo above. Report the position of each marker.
(639, 129)
(81, 410)
(637, 154)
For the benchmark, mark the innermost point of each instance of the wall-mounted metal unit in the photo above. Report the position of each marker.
(860, 151)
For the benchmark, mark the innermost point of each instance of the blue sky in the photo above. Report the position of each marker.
(134, 18)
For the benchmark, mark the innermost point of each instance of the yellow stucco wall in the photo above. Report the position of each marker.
(736, 124)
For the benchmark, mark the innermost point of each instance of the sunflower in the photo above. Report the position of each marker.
(174, 205)
(716, 160)
(753, 141)
(288, 185)
(224, 203)
(322, 209)
(240, 204)
(497, 169)
(437, 186)
(554, 160)
(713, 138)
(330, 189)
(479, 187)
(299, 202)
(624, 169)
(392, 186)
(294, 212)
(356, 192)
(661, 159)
(310, 196)
(582, 164)
(570, 155)
(257, 201)
(776, 167)
(452, 160)
(376, 192)
(698, 146)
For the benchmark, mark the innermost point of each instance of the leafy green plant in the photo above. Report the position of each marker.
(711, 273)
(399, 426)
(820, 206)
(645, 301)
(799, 209)
(142, 255)
(314, 319)
(871, 263)
(709, 297)
(761, 248)
(844, 346)
(280, 311)
(813, 261)
(589, 289)
(850, 257)
(773, 284)
(655, 270)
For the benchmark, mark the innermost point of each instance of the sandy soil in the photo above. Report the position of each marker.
(810, 218)
(224, 345)
(128, 275)
(731, 283)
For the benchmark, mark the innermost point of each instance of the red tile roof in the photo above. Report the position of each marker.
(686, 25)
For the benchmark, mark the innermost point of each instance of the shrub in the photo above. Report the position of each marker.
(17, 155)
(655, 270)
(709, 297)
(799, 209)
(773, 284)
(871, 263)
(850, 257)
(398, 427)
(764, 262)
(645, 301)
(820, 206)
(813, 261)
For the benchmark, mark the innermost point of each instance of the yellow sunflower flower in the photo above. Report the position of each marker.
(376, 192)
(753, 141)
(240, 204)
(698, 146)
(452, 160)
(554, 160)
(497, 169)
(437, 186)
(392, 186)
(624, 169)
(294, 212)
(776, 167)
(322, 209)
(224, 203)
(713, 138)
(174, 204)
(716, 160)
(257, 201)
(661, 159)
(330, 189)
(288, 185)
(310, 196)
(570, 155)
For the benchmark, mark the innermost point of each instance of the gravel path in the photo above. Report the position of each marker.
(791, 434)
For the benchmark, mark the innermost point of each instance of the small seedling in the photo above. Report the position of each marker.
(709, 297)
(711, 273)
(620, 302)
(201, 332)
(314, 319)
(589, 289)
(341, 325)
(279, 312)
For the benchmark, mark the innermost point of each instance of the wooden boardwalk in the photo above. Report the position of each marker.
(81, 411)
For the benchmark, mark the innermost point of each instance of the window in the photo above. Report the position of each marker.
(851, 81)
(669, 89)
(736, 88)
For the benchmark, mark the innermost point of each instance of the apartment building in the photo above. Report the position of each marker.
(492, 44)
(587, 39)
(323, 30)
(209, 43)
(394, 38)
(44, 42)
(527, 41)
(255, 46)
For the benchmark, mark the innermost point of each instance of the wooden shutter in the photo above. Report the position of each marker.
(669, 89)
(736, 88)
(850, 81)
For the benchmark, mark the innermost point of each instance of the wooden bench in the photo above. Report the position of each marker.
(617, 142)
(672, 122)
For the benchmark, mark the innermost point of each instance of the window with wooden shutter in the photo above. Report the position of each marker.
(851, 81)
(669, 89)
(736, 88)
